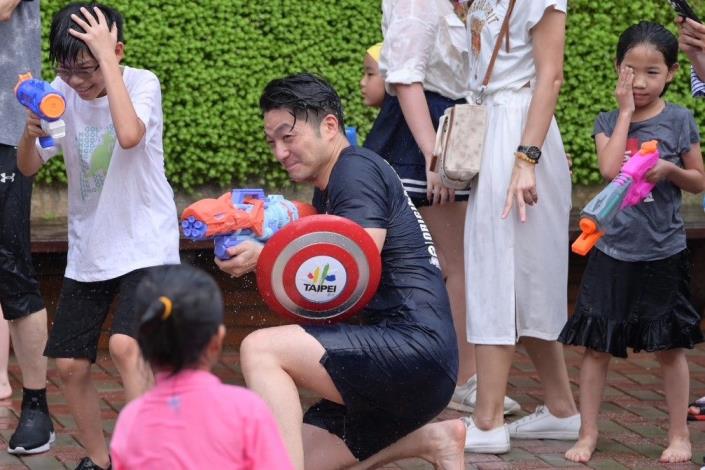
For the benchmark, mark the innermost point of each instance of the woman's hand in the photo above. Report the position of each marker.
(243, 259)
(435, 191)
(624, 92)
(522, 187)
(100, 39)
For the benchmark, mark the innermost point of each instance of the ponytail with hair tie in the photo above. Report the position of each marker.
(168, 306)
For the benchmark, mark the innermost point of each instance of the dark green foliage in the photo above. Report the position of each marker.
(213, 58)
(590, 77)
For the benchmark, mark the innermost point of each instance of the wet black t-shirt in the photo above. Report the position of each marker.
(364, 188)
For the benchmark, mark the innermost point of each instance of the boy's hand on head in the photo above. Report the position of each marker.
(100, 39)
(624, 93)
(661, 171)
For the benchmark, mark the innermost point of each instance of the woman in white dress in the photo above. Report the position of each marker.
(424, 63)
(516, 232)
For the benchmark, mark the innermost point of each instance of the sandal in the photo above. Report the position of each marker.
(699, 415)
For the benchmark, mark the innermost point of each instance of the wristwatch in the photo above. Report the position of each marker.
(533, 152)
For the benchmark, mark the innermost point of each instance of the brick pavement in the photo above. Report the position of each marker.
(632, 422)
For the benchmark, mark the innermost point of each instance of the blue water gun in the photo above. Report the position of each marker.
(239, 215)
(47, 103)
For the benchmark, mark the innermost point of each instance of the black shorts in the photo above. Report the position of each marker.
(388, 387)
(19, 289)
(82, 309)
(643, 305)
(391, 138)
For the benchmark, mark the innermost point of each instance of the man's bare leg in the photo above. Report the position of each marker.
(274, 362)
(440, 443)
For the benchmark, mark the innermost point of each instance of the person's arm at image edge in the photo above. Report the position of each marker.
(7, 7)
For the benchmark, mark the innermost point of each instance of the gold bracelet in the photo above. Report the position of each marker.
(523, 156)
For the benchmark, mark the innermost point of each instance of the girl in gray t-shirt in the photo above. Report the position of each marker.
(634, 291)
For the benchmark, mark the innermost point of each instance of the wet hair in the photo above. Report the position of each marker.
(652, 34)
(65, 48)
(305, 96)
(181, 309)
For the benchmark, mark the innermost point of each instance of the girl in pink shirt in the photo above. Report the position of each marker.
(190, 419)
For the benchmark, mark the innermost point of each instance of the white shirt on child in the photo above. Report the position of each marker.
(424, 42)
(121, 215)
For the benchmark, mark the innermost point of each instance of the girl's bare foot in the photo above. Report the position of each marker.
(678, 451)
(446, 440)
(582, 450)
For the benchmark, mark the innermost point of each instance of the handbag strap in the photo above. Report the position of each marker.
(504, 31)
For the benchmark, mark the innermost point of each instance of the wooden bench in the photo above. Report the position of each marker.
(246, 311)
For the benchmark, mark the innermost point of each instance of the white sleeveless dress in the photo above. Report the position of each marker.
(516, 273)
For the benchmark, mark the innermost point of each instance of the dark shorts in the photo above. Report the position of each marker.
(19, 289)
(643, 305)
(391, 138)
(390, 389)
(82, 309)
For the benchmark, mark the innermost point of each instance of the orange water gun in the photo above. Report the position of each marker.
(239, 215)
(627, 189)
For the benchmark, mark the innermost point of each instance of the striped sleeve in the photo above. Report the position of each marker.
(697, 86)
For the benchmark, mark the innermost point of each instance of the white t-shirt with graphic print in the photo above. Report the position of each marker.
(513, 69)
(122, 214)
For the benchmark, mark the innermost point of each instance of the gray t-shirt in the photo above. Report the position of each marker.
(653, 229)
(20, 52)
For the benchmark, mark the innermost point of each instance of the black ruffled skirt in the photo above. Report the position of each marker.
(643, 305)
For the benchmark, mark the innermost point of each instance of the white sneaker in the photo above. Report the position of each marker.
(494, 441)
(541, 424)
(464, 398)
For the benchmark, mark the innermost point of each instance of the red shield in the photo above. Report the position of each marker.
(319, 269)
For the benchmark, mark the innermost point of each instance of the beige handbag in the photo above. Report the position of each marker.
(461, 130)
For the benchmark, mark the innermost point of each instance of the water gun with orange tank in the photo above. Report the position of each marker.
(46, 102)
(628, 189)
(239, 215)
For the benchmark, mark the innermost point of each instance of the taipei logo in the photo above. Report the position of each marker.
(320, 280)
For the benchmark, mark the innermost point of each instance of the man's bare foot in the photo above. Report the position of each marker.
(582, 450)
(446, 444)
(678, 451)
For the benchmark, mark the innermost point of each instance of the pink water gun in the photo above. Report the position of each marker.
(628, 189)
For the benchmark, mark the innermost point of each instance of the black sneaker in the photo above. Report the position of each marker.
(87, 464)
(34, 433)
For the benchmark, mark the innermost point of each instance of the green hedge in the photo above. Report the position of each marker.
(590, 77)
(213, 58)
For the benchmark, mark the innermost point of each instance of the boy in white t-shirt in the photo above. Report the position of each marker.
(122, 216)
